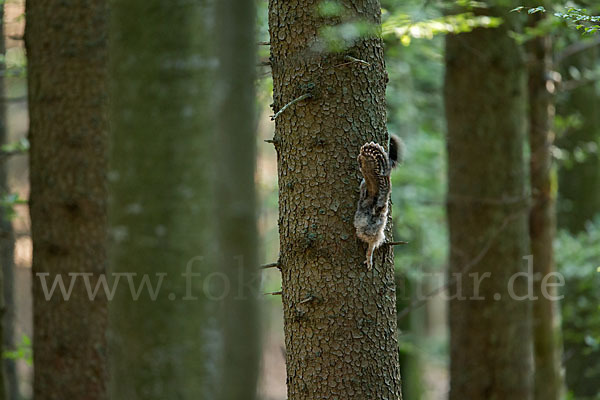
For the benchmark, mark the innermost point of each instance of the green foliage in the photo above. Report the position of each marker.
(419, 205)
(416, 114)
(578, 260)
(470, 4)
(8, 202)
(577, 155)
(15, 62)
(340, 37)
(564, 124)
(330, 9)
(569, 159)
(530, 10)
(343, 28)
(20, 146)
(580, 18)
(405, 28)
(24, 351)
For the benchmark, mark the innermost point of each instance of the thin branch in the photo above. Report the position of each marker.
(263, 74)
(396, 243)
(352, 60)
(306, 300)
(274, 293)
(575, 83)
(272, 141)
(271, 265)
(576, 48)
(278, 113)
(357, 60)
(264, 43)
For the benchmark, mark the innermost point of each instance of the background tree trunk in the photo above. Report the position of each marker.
(161, 166)
(490, 338)
(236, 195)
(339, 318)
(407, 290)
(7, 244)
(66, 47)
(542, 221)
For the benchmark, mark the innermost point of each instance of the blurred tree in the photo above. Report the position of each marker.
(66, 48)
(163, 346)
(410, 328)
(487, 204)
(542, 221)
(183, 200)
(339, 318)
(8, 376)
(235, 161)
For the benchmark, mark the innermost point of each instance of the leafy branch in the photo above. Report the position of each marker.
(404, 28)
(578, 16)
(345, 30)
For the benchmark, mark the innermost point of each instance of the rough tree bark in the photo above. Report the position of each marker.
(339, 318)
(487, 204)
(542, 217)
(66, 48)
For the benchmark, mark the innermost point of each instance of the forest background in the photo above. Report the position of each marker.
(414, 44)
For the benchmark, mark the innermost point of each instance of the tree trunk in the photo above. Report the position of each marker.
(542, 221)
(490, 331)
(66, 48)
(7, 243)
(410, 361)
(161, 72)
(236, 195)
(339, 318)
